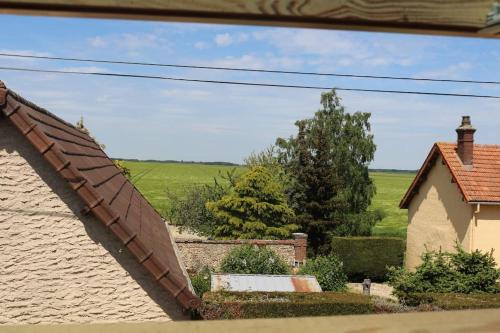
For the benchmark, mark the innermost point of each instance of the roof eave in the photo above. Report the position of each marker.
(405, 201)
(426, 167)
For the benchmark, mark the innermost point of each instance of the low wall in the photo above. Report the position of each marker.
(197, 253)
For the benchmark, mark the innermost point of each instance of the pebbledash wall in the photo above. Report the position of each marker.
(196, 253)
(58, 266)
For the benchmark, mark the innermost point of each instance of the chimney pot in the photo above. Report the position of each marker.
(465, 141)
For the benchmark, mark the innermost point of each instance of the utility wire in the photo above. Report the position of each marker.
(124, 75)
(239, 69)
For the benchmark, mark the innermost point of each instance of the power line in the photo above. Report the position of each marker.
(255, 84)
(239, 69)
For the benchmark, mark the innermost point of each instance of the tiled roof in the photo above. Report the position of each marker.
(105, 191)
(477, 183)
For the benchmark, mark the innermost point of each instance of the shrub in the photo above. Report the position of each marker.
(328, 271)
(368, 257)
(234, 305)
(201, 281)
(122, 167)
(248, 259)
(255, 208)
(360, 224)
(189, 211)
(445, 272)
(455, 301)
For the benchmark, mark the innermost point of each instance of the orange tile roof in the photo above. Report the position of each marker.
(477, 183)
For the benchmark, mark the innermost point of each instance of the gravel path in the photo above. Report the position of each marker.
(377, 289)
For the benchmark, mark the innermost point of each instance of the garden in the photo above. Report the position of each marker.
(317, 182)
(444, 281)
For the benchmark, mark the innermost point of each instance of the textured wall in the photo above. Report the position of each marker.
(487, 230)
(437, 216)
(57, 266)
(198, 253)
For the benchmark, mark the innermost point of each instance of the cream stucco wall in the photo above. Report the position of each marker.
(437, 216)
(56, 265)
(486, 233)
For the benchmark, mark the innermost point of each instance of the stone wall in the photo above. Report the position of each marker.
(197, 253)
(58, 266)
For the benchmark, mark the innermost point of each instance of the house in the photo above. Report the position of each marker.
(455, 197)
(78, 242)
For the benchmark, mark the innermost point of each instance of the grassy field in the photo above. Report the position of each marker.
(155, 179)
(390, 189)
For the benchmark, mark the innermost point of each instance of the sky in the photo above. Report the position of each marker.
(156, 119)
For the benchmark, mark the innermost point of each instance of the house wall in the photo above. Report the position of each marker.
(196, 253)
(58, 266)
(486, 234)
(437, 216)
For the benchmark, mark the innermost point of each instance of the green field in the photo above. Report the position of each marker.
(155, 179)
(390, 189)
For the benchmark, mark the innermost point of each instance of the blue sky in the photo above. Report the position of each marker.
(150, 119)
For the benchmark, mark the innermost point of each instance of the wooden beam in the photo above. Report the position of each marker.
(442, 322)
(447, 17)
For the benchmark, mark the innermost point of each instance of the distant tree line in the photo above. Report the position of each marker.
(177, 161)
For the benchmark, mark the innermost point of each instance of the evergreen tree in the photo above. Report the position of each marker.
(328, 164)
(256, 208)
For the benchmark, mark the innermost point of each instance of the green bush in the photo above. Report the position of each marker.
(368, 257)
(455, 301)
(445, 272)
(248, 259)
(224, 305)
(360, 224)
(256, 208)
(328, 271)
(188, 211)
(201, 281)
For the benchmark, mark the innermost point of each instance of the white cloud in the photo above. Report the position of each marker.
(315, 42)
(223, 39)
(25, 52)
(186, 93)
(284, 62)
(136, 41)
(226, 39)
(201, 45)
(85, 69)
(245, 61)
(330, 49)
(97, 42)
(128, 41)
(454, 71)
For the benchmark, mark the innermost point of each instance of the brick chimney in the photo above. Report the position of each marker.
(300, 248)
(465, 141)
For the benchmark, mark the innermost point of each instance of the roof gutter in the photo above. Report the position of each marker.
(491, 203)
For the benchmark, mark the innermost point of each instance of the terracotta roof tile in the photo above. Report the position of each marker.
(105, 191)
(477, 183)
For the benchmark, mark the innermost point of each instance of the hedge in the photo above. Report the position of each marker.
(368, 257)
(455, 301)
(247, 305)
(239, 305)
